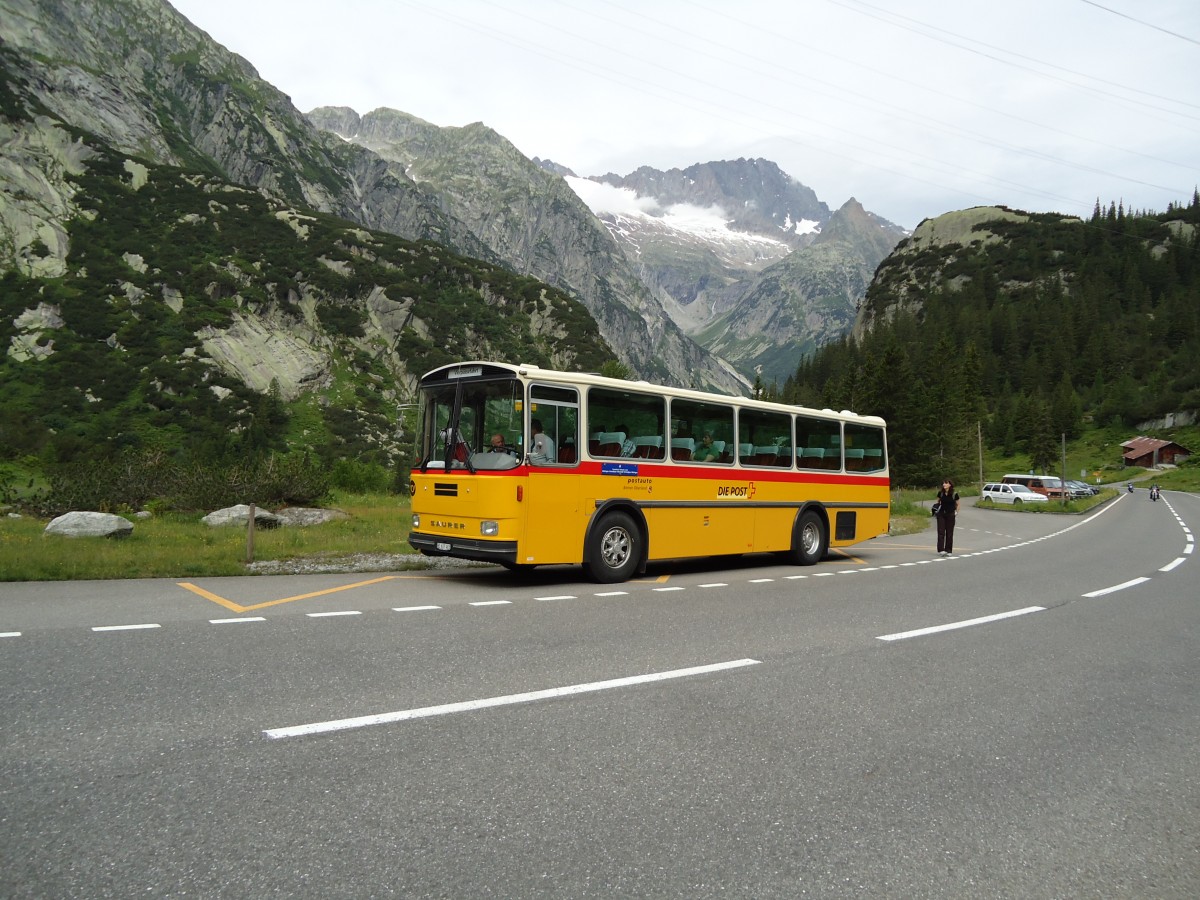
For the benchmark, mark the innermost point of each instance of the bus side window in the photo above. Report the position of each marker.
(818, 443)
(702, 432)
(557, 410)
(765, 438)
(626, 424)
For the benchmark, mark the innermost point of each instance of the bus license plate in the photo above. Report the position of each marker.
(444, 547)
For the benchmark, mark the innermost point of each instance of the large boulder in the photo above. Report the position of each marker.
(240, 515)
(302, 516)
(90, 524)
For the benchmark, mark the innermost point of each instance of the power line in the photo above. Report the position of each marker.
(878, 14)
(1182, 37)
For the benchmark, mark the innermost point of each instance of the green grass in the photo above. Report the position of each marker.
(1185, 478)
(181, 546)
(908, 515)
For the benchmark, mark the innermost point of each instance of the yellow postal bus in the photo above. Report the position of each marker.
(524, 466)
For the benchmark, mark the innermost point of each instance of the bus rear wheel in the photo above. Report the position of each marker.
(612, 551)
(810, 541)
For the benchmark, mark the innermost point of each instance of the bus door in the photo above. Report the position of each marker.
(553, 523)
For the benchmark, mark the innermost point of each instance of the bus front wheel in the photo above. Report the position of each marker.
(810, 541)
(612, 552)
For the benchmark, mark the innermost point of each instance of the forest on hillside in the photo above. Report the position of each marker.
(1024, 339)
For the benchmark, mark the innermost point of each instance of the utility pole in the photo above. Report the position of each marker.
(1064, 468)
(979, 435)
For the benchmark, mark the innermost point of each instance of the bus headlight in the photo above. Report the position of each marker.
(489, 529)
(416, 520)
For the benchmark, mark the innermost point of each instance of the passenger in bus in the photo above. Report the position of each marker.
(629, 446)
(541, 448)
(461, 451)
(706, 452)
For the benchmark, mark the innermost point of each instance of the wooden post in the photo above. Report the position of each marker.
(250, 537)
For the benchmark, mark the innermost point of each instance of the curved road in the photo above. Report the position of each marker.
(1020, 720)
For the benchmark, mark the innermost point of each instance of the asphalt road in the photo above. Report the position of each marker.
(730, 729)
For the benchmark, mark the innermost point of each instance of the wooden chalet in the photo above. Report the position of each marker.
(1152, 452)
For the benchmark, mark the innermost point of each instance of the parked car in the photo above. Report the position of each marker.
(1016, 494)
(1049, 485)
(1078, 489)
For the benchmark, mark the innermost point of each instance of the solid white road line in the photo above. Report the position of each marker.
(508, 700)
(980, 621)
(1117, 587)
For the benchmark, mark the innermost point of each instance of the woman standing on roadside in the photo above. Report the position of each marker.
(947, 509)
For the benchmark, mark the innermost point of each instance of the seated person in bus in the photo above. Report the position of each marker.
(541, 447)
(498, 445)
(706, 452)
(461, 451)
(629, 446)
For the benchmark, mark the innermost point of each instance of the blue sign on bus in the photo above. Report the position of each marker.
(618, 469)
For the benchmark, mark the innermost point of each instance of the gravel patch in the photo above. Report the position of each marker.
(360, 562)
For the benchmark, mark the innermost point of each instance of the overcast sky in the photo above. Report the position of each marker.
(913, 108)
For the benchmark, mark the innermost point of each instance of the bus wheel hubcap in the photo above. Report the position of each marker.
(810, 539)
(615, 548)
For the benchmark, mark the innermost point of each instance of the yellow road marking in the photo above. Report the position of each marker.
(238, 608)
(847, 555)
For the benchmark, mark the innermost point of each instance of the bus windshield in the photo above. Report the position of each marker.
(472, 424)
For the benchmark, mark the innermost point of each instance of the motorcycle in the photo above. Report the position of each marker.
(1131, 487)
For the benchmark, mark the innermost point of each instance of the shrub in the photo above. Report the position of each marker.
(356, 477)
(151, 479)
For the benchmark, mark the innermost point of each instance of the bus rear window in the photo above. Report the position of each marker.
(865, 450)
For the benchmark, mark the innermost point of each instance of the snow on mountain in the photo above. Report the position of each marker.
(633, 220)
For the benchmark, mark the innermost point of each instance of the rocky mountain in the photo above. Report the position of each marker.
(757, 269)
(758, 196)
(138, 76)
(805, 300)
(183, 264)
(534, 223)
